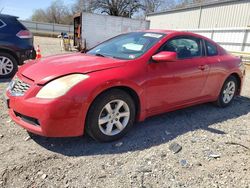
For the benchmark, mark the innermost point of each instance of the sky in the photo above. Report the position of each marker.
(24, 8)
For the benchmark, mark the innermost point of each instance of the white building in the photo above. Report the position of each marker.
(221, 14)
(225, 21)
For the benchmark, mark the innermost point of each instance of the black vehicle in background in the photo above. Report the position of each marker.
(16, 45)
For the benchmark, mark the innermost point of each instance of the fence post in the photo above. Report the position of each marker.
(244, 41)
(199, 21)
(212, 35)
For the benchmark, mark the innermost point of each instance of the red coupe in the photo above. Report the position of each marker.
(125, 79)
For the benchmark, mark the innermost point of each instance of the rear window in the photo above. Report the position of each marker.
(211, 49)
(22, 26)
(16, 23)
(2, 24)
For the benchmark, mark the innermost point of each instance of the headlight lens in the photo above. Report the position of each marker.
(60, 86)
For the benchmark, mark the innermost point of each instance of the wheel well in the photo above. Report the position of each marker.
(11, 53)
(235, 75)
(129, 91)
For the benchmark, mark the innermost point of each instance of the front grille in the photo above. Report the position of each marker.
(19, 87)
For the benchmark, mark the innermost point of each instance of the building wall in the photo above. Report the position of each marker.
(175, 20)
(236, 14)
(237, 40)
(220, 15)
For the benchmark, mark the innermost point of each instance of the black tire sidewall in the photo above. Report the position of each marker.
(92, 118)
(14, 62)
(220, 101)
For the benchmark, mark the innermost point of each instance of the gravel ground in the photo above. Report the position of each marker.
(49, 46)
(212, 145)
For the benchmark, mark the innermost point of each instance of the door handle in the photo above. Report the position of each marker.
(202, 67)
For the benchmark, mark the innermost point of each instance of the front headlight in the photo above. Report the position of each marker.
(60, 86)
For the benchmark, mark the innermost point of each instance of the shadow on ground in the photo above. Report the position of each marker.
(3, 86)
(153, 131)
(4, 80)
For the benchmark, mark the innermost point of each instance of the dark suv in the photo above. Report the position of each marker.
(16, 45)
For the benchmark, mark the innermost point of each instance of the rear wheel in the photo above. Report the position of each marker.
(110, 116)
(8, 65)
(228, 92)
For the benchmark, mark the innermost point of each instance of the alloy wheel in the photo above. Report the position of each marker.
(229, 92)
(114, 117)
(6, 65)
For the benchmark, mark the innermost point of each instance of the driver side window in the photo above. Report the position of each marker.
(185, 47)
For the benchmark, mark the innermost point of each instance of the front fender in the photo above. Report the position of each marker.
(120, 84)
(99, 82)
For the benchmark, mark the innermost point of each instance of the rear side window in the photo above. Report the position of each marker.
(185, 47)
(21, 25)
(17, 24)
(211, 49)
(2, 24)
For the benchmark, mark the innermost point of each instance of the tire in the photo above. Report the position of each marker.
(103, 118)
(224, 101)
(8, 65)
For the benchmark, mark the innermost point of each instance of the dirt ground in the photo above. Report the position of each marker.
(50, 46)
(215, 152)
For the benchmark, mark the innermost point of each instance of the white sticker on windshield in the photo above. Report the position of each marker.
(131, 56)
(153, 35)
(132, 46)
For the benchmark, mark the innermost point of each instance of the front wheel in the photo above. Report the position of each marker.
(110, 116)
(228, 92)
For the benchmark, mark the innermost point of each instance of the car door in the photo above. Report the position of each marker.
(179, 82)
(216, 72)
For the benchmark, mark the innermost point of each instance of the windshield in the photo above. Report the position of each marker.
(127, 46)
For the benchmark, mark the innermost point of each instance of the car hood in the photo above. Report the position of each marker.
(49, 68)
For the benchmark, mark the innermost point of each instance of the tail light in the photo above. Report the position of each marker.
(24, 34)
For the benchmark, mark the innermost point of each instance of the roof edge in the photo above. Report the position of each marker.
(7, 15)
(192, 6)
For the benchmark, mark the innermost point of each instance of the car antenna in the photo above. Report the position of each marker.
(1, 10)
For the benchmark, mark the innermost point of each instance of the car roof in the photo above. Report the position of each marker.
(160, 31)
(173, 32)
(176, 33)
(7, 16)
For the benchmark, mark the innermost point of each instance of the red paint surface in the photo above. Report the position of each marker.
(161, 87)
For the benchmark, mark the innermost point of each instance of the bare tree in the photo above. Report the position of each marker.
(39, 15)
(82, 6)
(57, 12)
(151, 6)
(124, 8)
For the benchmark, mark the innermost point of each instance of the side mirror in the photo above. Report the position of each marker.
(165, 56)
